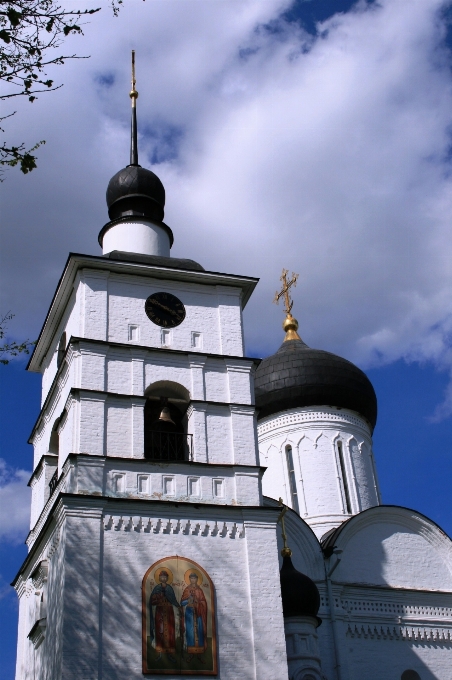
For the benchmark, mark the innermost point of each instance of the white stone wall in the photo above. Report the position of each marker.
(313, 434)
(395, 547)
(99, 398)
(232, 485)
(96, 627)
(392, 594)
(39, 657)
(105, 306)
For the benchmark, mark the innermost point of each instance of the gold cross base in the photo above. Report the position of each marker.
(290, 326)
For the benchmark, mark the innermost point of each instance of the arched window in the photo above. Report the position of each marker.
(292, 479)
(61, 349)
(165, 422)
(410, 675)
(344, 477)
(54, 443)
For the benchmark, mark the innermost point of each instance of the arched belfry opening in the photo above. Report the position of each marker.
(165, 422)
(54, 442)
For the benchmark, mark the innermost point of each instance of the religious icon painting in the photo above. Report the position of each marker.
(179, 636)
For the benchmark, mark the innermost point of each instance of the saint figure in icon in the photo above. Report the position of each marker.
(162, 621)
(195, 606)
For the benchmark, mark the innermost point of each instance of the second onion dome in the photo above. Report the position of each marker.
(299, 376)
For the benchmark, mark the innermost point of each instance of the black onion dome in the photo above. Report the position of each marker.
(135, 191)
(297, 376)
(300, 595)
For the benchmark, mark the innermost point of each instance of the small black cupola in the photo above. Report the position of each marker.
(300, 595)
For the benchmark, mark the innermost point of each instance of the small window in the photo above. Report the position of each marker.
(166, 338)
(218, 488)
(196, 340)
(143, 484)
(61, 349)
(134, 333)
(194, 486)
(410, 675)
(292, 479)
(168, 486)
(344, 478)
(118, 480)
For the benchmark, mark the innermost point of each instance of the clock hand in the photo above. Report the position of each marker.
(167, 309)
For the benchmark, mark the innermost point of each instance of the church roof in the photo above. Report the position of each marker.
(297, 376)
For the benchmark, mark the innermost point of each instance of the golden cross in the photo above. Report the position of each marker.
(285, 290)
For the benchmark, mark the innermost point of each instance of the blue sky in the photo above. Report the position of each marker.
(314, 136)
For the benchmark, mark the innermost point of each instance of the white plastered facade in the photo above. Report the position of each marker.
(333, 463)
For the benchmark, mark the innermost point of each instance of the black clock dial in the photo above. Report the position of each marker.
(165, 310)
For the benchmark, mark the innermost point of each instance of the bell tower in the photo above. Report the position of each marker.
(150, 550)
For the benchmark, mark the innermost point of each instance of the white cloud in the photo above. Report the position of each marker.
(14, 504)
(328, 156)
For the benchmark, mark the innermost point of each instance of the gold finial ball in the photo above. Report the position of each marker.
(290, 324)
(133, 94)
(286, 552)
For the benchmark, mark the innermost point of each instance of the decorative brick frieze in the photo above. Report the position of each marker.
(163, 525)
(310, 415)
(407, 633)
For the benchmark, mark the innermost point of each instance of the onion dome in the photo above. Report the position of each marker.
(135, 191)
(300, 595)
(297, 376)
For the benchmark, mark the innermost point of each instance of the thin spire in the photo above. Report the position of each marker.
(290, 325)
(133, 129)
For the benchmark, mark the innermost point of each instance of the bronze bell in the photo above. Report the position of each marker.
(165, 416)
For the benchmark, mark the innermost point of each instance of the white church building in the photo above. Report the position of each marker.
(199, 512)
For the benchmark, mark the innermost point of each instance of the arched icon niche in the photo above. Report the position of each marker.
(179, 636)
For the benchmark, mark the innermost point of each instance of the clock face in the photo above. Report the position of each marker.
(165, 310)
